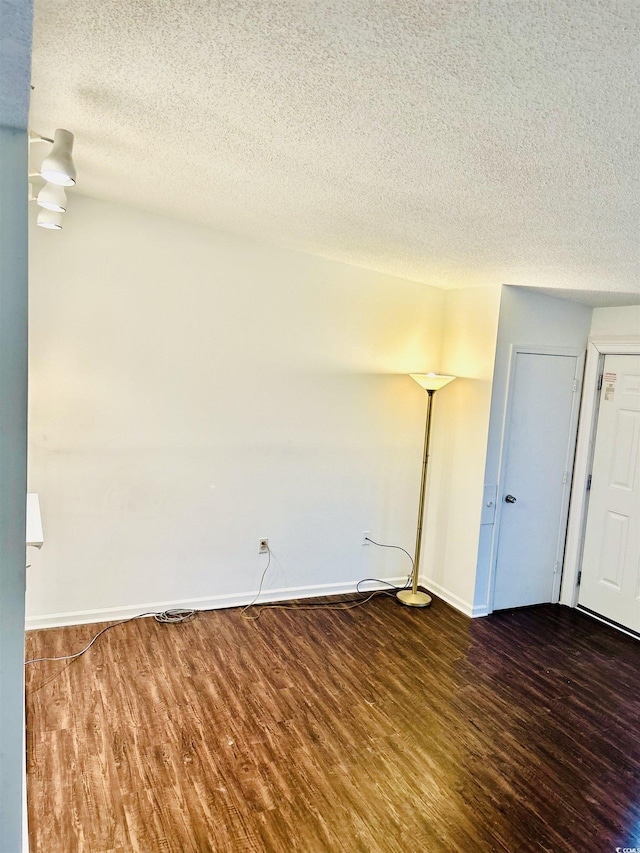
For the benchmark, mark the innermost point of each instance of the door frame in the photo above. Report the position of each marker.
(597, 348)
(514, 350)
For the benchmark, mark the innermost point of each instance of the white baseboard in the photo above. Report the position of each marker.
(216, 602)
(454, 600)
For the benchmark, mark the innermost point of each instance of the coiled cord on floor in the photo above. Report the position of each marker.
(167, 617)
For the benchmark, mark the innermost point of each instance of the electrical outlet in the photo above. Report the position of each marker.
(365, 539)
(263, 546)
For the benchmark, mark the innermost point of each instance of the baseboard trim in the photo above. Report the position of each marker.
(452, 599)
(216, 602)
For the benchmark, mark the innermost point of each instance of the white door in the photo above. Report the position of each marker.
(610, 582)
(540, 444)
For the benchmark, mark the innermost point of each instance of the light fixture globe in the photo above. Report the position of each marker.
(431, 381)
(52, 197)
(50, 219)
(57, 167)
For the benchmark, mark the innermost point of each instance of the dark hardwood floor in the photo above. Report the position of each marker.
(380, 729)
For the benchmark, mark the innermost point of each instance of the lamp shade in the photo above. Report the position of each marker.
(431, 381)
(50, 219)
(57, 167)
(53, 197)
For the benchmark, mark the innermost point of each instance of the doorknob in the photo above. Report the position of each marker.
(510, 499)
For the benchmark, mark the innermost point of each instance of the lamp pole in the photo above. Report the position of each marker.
(412, 597)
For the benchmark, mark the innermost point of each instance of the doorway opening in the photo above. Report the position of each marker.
(536, 473)
(602, 536)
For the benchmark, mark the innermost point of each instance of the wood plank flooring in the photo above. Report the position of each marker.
(379, 729)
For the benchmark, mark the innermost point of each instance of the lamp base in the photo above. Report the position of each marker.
(413, 599)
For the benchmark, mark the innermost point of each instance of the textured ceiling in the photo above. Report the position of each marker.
(454, 142)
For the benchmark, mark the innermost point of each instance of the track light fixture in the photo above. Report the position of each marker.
(51, 220)
(59, 171)
(58, 167)
(52, 197)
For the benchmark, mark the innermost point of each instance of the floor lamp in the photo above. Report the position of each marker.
(431, 382)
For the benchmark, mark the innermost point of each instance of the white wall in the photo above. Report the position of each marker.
(616, 321)
(15, 61)
(192, 392)
(460, 429)
(530, 319)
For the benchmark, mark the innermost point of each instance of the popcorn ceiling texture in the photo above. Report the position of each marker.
(457, 142)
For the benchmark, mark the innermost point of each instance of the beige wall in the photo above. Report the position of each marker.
(460, 428)
(192, 392)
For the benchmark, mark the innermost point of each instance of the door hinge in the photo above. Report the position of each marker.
(589, 483)
(565, 476)
(575, 385)
(579, 578)
(600, 382)
(556, 566)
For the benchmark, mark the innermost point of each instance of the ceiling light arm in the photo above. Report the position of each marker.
(37, 137)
